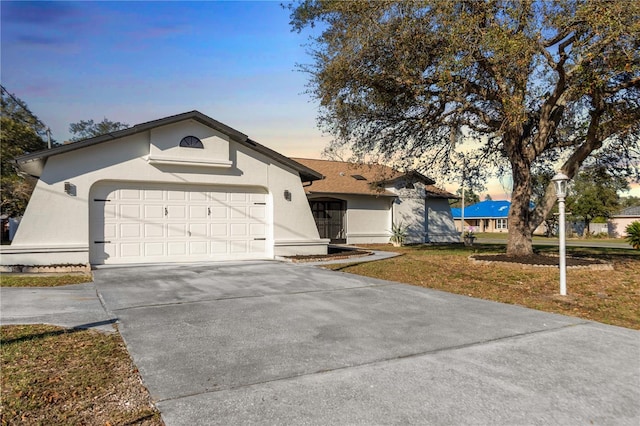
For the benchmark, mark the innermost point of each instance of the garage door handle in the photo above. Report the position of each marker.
(101, 199)
(166, 212)
(102, 242)
(259, 239)
(208, 211)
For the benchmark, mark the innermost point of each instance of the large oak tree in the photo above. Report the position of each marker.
(533, 82)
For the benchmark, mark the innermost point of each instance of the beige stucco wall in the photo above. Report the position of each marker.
(368, 219)
(617, 226)
(55, 227)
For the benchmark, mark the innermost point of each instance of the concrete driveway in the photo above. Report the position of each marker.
(277, 343)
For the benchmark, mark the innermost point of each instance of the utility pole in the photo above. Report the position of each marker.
(49, 138)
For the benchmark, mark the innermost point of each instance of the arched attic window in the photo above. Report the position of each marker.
(191, 142)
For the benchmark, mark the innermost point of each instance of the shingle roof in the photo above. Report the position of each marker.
(346, 178)
(633, 211)
(484, 210)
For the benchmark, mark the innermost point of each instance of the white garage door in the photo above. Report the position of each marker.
(177, 224)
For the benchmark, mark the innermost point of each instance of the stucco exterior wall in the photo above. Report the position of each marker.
(618, 226)
(440, 225)
(55, 227)
(429, 220)
(368, 219)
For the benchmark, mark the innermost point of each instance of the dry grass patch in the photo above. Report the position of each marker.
(55, 376)
(610, 297)
(7, 280)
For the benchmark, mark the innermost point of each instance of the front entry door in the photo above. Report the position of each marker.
(329, 217)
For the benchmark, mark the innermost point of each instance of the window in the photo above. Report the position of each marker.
(501, 223)
(191, 142)
(358, 177)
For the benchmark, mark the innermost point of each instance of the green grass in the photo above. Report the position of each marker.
(14, 280)
(606, 296)
(55, 376)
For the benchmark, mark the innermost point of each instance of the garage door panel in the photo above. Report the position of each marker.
(177, 230)
(198, 196)
(238, 246)
(130, 194)
(258, 212)
(198, 230)
(110, 211)
(219, 230)
(129, 211)
(176, 212)
(130, 250)
(156, 224)
(110, 231)
(198, 248)
(219, 212)
(176, 195)
(154, 249)
(257, 230)
(154, 230)
(153, 194)
(238, 230)
(238, 212)
(257, 246)
(154, 211)
(177, 248)
(130, 230)
(198, 212)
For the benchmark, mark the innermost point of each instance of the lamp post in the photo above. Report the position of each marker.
(560, 181)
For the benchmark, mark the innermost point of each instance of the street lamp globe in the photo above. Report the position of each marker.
(560, 181)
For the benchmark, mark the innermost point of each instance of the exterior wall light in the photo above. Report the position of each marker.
(561, 182)
(287, 195)
(70, 189)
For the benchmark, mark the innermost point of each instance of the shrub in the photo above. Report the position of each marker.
(633, 235)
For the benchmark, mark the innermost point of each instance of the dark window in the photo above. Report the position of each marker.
(191, 142)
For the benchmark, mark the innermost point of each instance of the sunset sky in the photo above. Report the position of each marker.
(139, 61)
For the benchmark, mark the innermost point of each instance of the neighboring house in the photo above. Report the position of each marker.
(358, 203)
(179, 189)
(619, 222)
(485, 216)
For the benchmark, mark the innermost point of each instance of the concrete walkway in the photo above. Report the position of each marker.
(71, 306)
(278, 343)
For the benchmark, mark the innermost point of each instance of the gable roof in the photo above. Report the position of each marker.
(341, 177)
(33, 163)
(488, 209)
(633, 211)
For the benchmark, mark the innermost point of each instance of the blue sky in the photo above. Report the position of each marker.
(139, 61)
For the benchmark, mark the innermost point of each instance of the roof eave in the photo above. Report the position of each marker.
(33, 163)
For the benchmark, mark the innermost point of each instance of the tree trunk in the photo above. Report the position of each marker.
(519, 242)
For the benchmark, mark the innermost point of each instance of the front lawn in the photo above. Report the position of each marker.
(55, 376)
(44, 280)
(610, 297)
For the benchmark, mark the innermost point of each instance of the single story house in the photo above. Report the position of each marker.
(178, 189)
(618, 223)
(485, 216)
(358, 203)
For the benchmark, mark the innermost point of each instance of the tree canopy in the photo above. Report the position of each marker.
(517, 85)
(21, 133)
(85, 129)
(594, 193)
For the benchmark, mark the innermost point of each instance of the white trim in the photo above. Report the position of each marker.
(301, 243)
(162, 160)
(72, 248)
